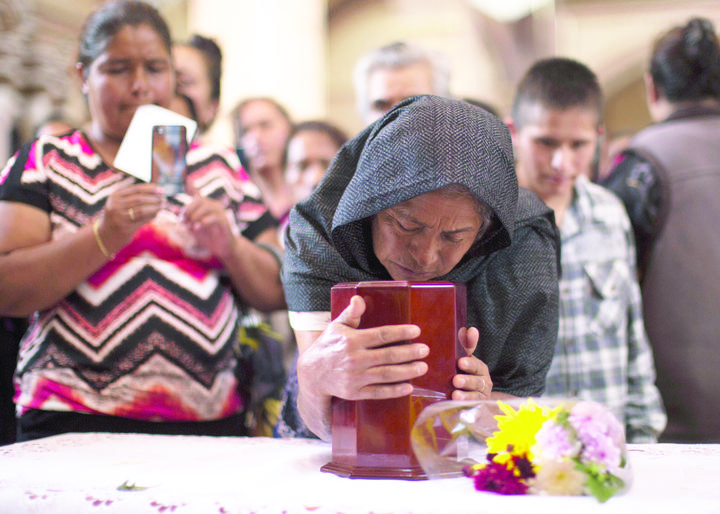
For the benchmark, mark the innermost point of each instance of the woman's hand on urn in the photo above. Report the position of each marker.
(356, 364)
(474, 382)
(126, 210)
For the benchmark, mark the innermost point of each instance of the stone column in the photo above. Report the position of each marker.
(10, 103)
(274, 48)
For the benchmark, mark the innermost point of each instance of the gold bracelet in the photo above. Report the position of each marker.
(103, 249)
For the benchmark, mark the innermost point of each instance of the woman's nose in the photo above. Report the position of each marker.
(139, 84)
(425, 251)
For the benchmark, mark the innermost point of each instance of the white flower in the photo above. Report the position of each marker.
(558, 478)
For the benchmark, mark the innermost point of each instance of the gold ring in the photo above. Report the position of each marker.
(131, 212)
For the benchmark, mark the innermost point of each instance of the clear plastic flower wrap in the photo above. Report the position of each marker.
(525, 446)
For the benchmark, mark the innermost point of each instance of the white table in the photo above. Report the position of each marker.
(77, 473)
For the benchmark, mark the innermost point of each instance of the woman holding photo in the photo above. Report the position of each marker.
(130, 332)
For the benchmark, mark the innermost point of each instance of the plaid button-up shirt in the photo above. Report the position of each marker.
(602, 352)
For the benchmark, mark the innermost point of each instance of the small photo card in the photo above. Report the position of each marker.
(134, 154)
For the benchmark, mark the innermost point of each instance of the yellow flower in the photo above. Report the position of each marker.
(516, 431)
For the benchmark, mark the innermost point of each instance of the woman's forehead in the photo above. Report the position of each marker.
(141, 36)
(429, 205)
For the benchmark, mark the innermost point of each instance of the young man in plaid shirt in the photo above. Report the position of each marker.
(602, 352)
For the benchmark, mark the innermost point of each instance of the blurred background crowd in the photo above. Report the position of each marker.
(302, 53)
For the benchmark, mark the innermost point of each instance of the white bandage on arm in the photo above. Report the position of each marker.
(309, 321)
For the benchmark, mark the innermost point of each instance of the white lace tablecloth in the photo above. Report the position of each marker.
(78, 473)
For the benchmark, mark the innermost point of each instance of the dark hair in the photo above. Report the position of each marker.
(685, 63)
(237, 110)
(213, 61)
(188, 103)
(104, 23)
(557, 83)
(333, 132)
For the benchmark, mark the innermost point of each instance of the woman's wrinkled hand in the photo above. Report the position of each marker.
(356, 364)
(474, 383)
(126, 210)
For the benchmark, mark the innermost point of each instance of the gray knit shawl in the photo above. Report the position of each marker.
(421, 145)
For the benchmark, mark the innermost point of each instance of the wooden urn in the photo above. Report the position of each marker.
(371, 438)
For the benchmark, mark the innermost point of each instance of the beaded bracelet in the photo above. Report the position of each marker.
(103, 249)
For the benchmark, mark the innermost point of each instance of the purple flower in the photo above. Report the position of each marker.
(553, 442)
(600, 449)
(497, 478)
(599, 432)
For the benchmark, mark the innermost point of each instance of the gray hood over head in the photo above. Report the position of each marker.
(423, 144)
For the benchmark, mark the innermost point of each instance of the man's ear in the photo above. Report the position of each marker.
(651, 91)
(80, 71)
(511, 125)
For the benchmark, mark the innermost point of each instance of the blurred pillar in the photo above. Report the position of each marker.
(274, 48)
(10, 104)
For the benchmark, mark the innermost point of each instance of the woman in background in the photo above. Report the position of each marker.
(198, 64)
(311, 147)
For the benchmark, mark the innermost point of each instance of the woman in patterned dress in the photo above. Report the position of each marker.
(134, 296)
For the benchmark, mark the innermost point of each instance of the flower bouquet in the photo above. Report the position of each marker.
(525, 446)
